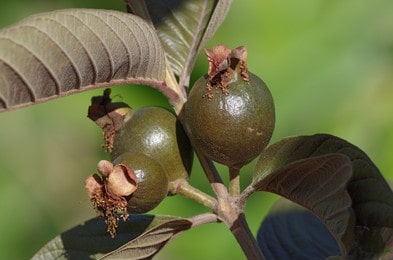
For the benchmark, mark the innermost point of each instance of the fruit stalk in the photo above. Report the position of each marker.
(204, 219)
(244, 196)
(234, 182)
(230, 213)
(212, 175)
(185, 189)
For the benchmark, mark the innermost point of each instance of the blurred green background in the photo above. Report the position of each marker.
(329, 65)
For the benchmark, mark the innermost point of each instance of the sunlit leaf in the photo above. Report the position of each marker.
(91, 240)
(319, 184)
(290, 231)
(59, 53)
(183, 26)
(372, 198)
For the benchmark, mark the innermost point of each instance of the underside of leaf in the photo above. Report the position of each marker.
(367, 186)
(151, 241)
(290, 231)
(319, 184)
(67, 51)
(371, 196)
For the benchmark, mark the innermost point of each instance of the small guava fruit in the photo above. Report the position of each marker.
(156, 132)
(134, 183)
(229, 114)
(151, 179)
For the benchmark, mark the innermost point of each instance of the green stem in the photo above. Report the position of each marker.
(234, 182)
(188, 191)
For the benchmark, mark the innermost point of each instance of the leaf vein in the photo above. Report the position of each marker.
(75, 67)
(106, 48)
(89, 54)
(125, 45)
(46, 66)
(29, 89)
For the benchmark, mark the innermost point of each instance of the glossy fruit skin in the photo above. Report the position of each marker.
(151, 178)
(232, 128)
(157, 133)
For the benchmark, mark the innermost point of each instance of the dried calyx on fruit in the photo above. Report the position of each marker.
(134, 183)
(109, 116)
(229, 114)
(151, 178)
(108, 191)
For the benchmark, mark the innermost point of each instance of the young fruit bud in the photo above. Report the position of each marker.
(104, 167)
(156, 132)
(229, 113)
(151, 179)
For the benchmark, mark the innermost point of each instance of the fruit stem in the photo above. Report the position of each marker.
(234, 182)
(245, 238)
(204, 219)
(244, 196)
(212, 175)
(184, 188)
(209, 168)
(228, 210)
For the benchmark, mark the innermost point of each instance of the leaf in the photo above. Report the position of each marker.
(184, 27)
(371, 195)
(387, 235)
(372, 198)
(59, 53)
(319, 184)
(289, 231)
(91, 239)
(151, 241)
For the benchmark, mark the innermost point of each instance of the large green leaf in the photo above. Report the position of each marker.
(59, 53)
(372, 198)
(319, 184)
(140, 237)
(183, 26)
